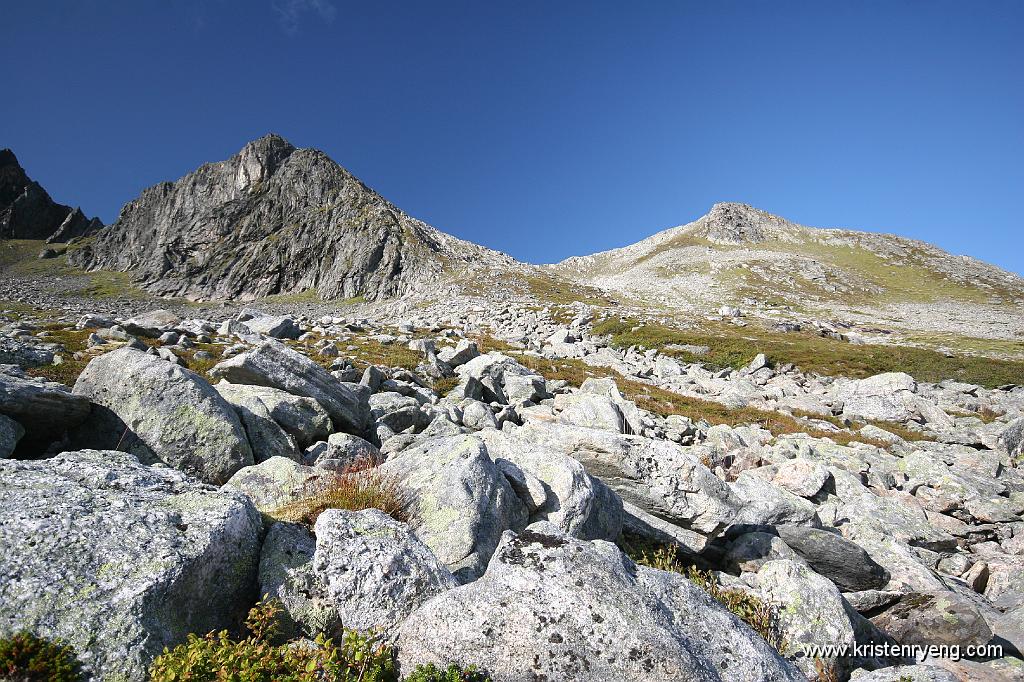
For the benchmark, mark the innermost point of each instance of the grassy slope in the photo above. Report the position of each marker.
(735, 347)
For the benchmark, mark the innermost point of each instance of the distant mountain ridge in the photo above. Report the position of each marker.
(737, 252)
(28, 212)
(272, 220)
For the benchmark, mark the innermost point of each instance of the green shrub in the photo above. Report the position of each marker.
(453, 673)
(762, 618)
(216, 657)
(27, 658)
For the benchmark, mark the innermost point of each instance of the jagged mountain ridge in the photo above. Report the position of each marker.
(28, 212)
(737, 251)
(274, 219)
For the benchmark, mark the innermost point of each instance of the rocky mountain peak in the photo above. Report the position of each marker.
(260, 159)
(7, 158)
(28, 212)
(736, 223)
(273, 219)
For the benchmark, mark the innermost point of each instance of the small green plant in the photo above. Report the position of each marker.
(761, 617)
(27, 658)
(453, 673)
(216, 657)
(352, 490)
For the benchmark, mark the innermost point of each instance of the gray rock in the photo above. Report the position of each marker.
(120, 559)
(769, 505)
(375, 570)
(286, 574)
(802, 477)
(152, 324)
(811, 610)
(750, 551)
(888, 397)
(10, 433)
(266, 437)
(274, 364)
(1011, 439)
(278, 327)
(45, 409)
(462, 501)
(576, 502)
(464, 351)
(662, 478)
(343, 452)
(157, 410)
(907, 673)
(15, 352)
(590, 411)
(276, 482)
(302, 418)
(926, 619)
(843, 562)
(476, 415)
(396, 411)
(554, 607)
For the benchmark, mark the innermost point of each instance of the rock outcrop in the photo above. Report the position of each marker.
(28, 212)
(274, 219)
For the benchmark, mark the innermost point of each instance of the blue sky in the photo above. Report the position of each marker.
(546, 129)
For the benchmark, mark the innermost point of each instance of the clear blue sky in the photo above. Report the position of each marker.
(546, 129)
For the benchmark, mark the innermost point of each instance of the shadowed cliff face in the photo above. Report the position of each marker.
(272, 219)
(28, 212)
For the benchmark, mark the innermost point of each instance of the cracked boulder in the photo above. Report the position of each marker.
(554, 607)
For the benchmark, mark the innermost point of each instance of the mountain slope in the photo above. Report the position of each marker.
(28, 212)
(737, 254)
(274, 219)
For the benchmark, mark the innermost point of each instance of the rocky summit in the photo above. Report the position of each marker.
(273, 219)
(267, 404)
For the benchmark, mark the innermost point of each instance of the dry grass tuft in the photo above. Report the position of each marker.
(352, 490)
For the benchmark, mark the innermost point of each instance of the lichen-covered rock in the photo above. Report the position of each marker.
(811, 610)
(906, 673)
(889, 397)
(302, 418)
(660, 477)
(573, 500)
(375, 570)
(157, 410)
(121, 559)
(557, 608)
(462, 501)
(926, 619)
(10, 433)
(343, 452)
(286, 574)
(275, 482)
(590, 411)
(266, 437)
(275, 365)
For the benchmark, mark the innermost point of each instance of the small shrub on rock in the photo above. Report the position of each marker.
(216, 657)
(762, 618)
(27, 658)
(453, 673)
(352, 490)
